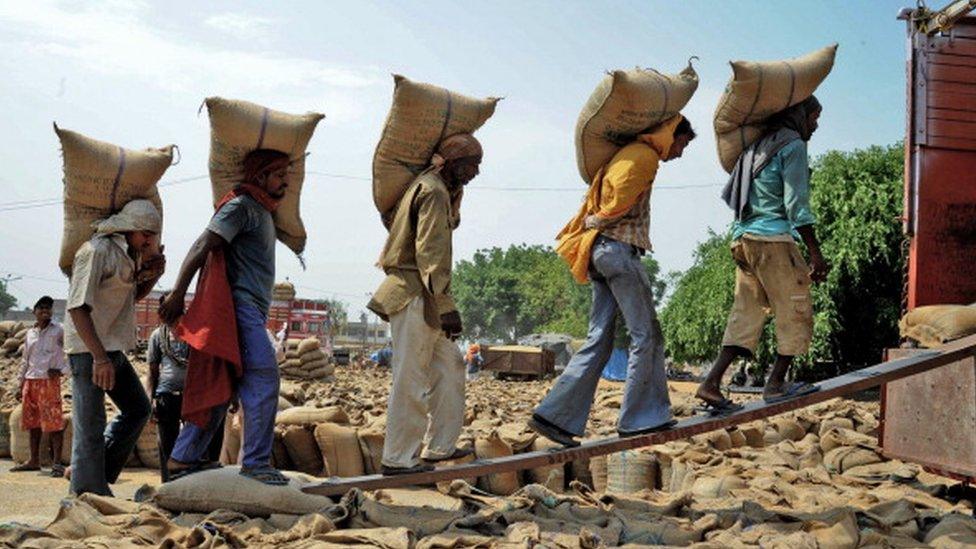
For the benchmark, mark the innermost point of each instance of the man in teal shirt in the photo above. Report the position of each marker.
(770, 193)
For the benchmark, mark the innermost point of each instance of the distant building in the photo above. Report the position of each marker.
(354, 333)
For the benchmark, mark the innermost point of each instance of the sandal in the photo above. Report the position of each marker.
(458, 454)
(57, 470)
(723, 407)
(24, 467)
(792, 391)
(265, 474)
(656, 429)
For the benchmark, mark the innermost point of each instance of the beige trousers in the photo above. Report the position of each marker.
(426, 405)
(770, 277)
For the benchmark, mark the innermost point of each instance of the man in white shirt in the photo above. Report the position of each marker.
(40, 387)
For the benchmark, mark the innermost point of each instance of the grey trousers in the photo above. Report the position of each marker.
(620, 282)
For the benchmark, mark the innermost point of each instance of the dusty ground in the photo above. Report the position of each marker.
(33, 498)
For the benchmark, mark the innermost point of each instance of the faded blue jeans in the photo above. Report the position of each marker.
(620, 282)
(98, 453)
(258, 393)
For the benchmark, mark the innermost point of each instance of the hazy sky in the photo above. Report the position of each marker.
(134, 73)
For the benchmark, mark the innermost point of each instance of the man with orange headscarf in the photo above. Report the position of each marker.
(427, 397)
(603, 244)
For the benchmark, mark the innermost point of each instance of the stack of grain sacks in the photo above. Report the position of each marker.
(305, 359)
(283, 291)
(12, 335)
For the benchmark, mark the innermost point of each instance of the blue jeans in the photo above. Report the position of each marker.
(258, 393)
(620, 282)
(98, 453)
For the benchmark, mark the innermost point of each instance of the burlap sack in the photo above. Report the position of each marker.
(789, 429)
(231, 447)
(238, 127)
(424, 512)
(100, 178)
(490, 447)
(147, 447)
(371, 440)
(11, 344)
(225, 488)
(309, 415)
(283, 404)
(843, 458)
(552, 477)
(934, 325)
(624, 104)
(20, 440)
(421, 116)
(754, 436)
(302, 449)
(598, 472)
(829, 424)
(283, 291)
(631, 471)
(308, 345)
(716, 487)
(737, 439)
(321, 373)
(279, 453)
(315, 355)
(759, 90)
(5, 432)
(340, 450)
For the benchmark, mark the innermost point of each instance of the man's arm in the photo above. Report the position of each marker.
(153, 357)
(433, 247)
(172, 308)
(23, 372)
(796, 199)
(103, 371)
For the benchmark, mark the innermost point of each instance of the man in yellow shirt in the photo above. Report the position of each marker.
(604, 244)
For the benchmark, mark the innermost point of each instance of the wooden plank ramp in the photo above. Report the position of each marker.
(852, 382)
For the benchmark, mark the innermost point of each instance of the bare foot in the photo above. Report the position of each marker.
(709, 394)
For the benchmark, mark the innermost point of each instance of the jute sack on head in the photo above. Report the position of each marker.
(421, 116)
(224, 488)
(759, 90)
(624, 104)
(100, 178)
(239, 127)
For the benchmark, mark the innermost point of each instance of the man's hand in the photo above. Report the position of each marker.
(451, 324)
(152, 268)
(172, 307)
(819, 268)
(103, 374)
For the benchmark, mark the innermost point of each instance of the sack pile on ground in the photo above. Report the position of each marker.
(934, 325)
(283, 291)
(305, 359)
(12, 335)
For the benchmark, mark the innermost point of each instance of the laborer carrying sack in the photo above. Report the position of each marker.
(231, 354)
(427, 395)
(603, 244)
(769, 194)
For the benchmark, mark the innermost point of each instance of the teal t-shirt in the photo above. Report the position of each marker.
(779, 197)
(250, 232)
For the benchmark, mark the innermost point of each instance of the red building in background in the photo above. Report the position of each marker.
(301, 317)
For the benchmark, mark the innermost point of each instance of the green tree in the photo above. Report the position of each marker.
(7, 301)
(504, 294)
(338, 313)
(857, 200)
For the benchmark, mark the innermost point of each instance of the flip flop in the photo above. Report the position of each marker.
(265, 475)
(656, 429)
(57, 470)
(723, 407)
(24, 467)
(793, 391)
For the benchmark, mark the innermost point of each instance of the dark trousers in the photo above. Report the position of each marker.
(168, 409)
(98, 453)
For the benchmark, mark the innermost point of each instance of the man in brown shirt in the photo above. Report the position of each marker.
(427, 397)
